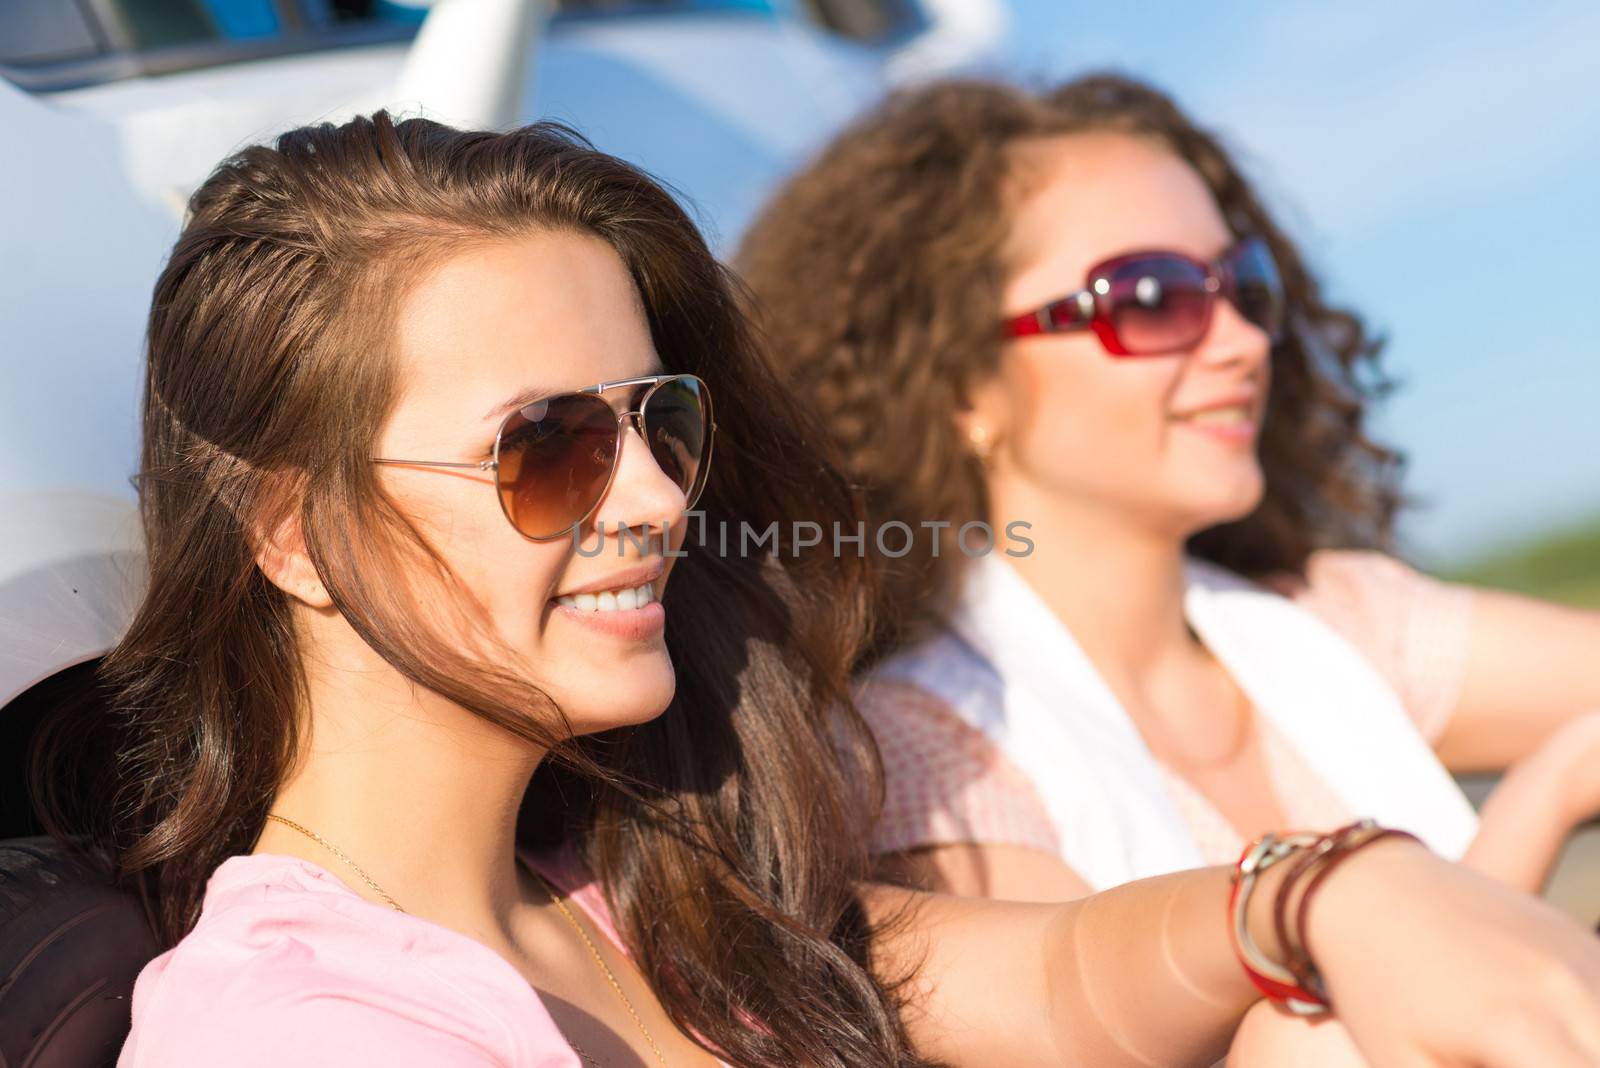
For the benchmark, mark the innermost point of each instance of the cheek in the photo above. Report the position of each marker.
(510, 580)
(505, 574)
(675, 542)
(1089, 422)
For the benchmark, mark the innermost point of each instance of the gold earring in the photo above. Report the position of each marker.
(978, 437)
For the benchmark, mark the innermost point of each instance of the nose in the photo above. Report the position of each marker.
(642, 496)
(1233, 340)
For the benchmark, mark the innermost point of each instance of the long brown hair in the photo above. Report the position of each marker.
(729, 833)
(877, 274)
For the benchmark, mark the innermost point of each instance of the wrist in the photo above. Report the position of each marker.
(1259, 910)
(1275, 882)
(1364, 886)
(1263, 944)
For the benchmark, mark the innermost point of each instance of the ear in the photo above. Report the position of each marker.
(985, 419)
(282, 557)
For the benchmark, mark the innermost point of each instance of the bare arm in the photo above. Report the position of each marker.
(1538, 804)
(972, 869)
(1028, 984)
(1267, 1037)
(1531, 667)
(1425, 962)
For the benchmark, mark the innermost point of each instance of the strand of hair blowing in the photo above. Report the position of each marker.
(729, 834)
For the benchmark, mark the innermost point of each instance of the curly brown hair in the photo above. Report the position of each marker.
(876, 273)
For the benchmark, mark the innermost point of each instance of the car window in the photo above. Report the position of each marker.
(870, 21)
(67, 44)
(50, 45)
(44, 31)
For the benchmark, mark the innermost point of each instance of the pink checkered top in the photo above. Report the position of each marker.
(947, 783)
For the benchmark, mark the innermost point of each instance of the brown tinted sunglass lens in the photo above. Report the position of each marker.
(677, 418)
(555, 459)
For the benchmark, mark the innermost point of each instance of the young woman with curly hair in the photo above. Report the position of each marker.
(424, 761)
(1139, 604)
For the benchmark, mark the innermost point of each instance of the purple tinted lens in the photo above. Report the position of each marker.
(1158, 303)
(1257, 287)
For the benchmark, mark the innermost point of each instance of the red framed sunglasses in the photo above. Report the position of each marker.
(555, 459)
(1156, 302)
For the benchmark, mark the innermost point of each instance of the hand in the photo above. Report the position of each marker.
(1430, 965)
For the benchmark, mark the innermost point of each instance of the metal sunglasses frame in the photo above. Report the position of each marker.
(1090, 309)
(635, 415)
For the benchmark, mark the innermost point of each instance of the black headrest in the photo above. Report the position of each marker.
(71, 945)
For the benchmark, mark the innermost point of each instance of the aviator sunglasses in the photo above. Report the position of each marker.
(554, 459)
(1160, 302)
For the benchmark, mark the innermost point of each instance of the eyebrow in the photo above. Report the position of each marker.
(537, 393)
(521, 400)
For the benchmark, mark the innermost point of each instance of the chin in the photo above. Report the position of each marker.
(1239, 508)
(626, 702)
(1226, 503)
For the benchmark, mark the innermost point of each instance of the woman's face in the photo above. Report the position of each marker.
(494, 329)
(1167, 442)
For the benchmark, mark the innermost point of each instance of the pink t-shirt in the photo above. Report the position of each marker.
(289, 966)
(946, 782)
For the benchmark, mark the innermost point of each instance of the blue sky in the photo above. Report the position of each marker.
(1440, 165)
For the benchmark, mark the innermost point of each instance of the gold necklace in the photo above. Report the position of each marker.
(336, 851)
(555, 900)
(561, 907)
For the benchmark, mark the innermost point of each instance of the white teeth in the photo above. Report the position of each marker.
(609, 600)
(1236, 414)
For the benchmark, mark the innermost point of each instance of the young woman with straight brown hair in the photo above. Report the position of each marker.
(419, 770)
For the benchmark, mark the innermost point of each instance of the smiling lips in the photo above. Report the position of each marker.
(1233, 414)
(623, 605)
(1234, 421)
(610, 600)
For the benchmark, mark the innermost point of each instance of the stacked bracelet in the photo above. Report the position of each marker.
(1275, 982)
(1295, 983)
